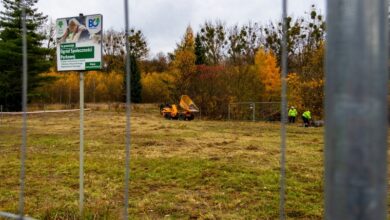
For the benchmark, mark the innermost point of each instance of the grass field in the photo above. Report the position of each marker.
(179, 170)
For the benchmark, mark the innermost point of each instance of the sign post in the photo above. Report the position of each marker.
(81, 168)
(79, 48)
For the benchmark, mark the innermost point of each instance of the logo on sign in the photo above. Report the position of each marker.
(93, 22)
(60, 23)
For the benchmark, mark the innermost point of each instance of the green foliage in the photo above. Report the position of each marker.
(136, 86)
(243, 43)
(200, 51)
(138, 45)
(11, 52)
(303, 36)
(213, 36)
(114, 48)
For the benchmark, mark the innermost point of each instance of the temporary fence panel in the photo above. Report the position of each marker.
(356, 112)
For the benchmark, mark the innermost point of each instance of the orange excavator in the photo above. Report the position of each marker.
(188, 108)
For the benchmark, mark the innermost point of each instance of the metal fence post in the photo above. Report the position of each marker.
(128, 113)
(283, 112)
(24, 109)
(356, 110)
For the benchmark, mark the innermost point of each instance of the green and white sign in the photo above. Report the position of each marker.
(79, 43)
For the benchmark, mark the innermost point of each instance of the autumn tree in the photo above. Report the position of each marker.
(306, 89)
(184, 63)
(114, 57)
(269, 74)
(113, 50)
(99, 87)
(158, 64)
(209, 90)
(155, 87)
(312, 81)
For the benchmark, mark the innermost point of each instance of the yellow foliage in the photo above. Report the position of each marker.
(305, 94)
(185, 62)
(294, 91)
(183, 70)
(98, 87)
(156, 87)
(269, 74)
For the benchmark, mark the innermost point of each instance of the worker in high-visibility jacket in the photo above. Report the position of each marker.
(306, 117)
(292, 114)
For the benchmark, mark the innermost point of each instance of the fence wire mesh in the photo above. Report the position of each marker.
(254, 111)
(361, 181)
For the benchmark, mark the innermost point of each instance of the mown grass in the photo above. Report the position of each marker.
(179, 170)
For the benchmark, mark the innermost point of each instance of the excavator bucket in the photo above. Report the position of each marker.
(187, 104)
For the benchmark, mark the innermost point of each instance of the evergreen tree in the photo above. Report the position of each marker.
(11, 51)
(136, 86)
(200, 51)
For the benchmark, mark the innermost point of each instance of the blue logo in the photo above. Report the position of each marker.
(93, 22)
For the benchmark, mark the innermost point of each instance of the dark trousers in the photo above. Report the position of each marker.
(305, 121)
(291, 119)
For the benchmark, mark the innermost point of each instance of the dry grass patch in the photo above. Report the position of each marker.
(179, 170)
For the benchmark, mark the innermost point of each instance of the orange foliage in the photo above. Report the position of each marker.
(269, 74)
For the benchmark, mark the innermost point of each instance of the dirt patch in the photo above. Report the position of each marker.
(150, 143)
(252, 147)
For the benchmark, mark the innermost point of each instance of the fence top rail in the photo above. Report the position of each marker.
(14, 216)
(41, 112)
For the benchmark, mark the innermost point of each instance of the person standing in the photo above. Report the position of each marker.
(292, 114)
(306, 117)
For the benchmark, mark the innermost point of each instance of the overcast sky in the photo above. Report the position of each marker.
(164, 21)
